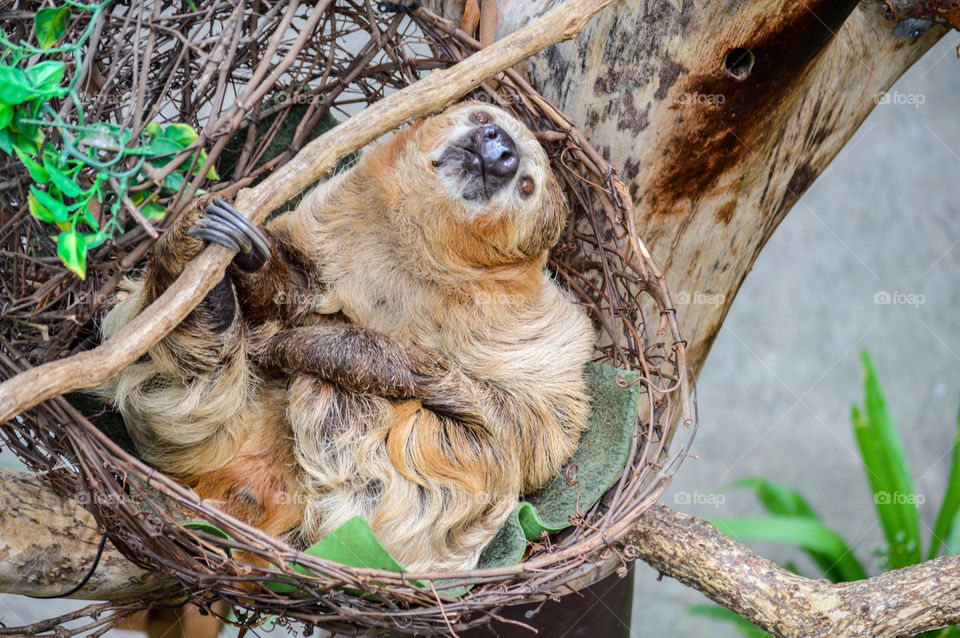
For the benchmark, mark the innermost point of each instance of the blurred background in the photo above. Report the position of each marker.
(867, 259)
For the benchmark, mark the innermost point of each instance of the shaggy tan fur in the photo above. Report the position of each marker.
(403, 355)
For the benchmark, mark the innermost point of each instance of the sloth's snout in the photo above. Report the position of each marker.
(496, 149)
(486, 159)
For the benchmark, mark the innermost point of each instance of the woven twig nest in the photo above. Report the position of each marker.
(151, 62)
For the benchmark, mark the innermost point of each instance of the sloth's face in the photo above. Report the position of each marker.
(473, 182)
(486, 157)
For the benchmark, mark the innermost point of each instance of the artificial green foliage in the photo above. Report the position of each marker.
(72, 164)
(793, 521)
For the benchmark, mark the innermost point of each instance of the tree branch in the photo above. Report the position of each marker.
(429, 95)
(48, 543)
(897, 603)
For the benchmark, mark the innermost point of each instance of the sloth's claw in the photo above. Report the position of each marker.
(225, 225)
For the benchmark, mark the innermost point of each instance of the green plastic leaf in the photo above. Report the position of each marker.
(57, 208)
(743, 625)
(62, 181)
(37, 172)
(182, 134)
(208, 527)
(951, 500)
(14, 86)
(50, 24)
(160, 147)
(888, 473)
(781, 500)
(73, 251)
(6, 114)
(174, 182)
(800, 531)
(83, 208)
(153, 210)
(38, 210)
(45, 76)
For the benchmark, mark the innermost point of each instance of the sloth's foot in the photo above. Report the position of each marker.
(225, 225)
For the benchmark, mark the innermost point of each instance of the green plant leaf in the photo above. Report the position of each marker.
(27, 144)
(953, 535)
(46, 76)
(951, 500)
(800, 531)
(13, 85)
(56, 207)
(6, 114)
(38, 210)
(6, 141)
(37, 172)
(73, 251)
(888, 472)
(50, 24)
(781, 500)
(777, 498)
(743, 625)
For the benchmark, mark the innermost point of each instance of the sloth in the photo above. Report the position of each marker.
(394, 348)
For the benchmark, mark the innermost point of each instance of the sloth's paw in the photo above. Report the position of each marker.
(225, 225)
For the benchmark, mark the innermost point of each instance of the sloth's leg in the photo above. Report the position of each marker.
(186, 403)
(369, 362)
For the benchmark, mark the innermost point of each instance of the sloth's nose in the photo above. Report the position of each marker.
(497, 150)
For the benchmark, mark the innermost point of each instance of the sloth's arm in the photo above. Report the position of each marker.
(369, 362)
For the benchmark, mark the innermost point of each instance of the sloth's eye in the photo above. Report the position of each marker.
(526, 186)
(480, 117)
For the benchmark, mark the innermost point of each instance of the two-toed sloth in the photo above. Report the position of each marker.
(394, 348)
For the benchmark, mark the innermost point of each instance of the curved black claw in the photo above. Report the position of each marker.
(225, 225)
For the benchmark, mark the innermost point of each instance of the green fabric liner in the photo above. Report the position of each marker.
(600, 459)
